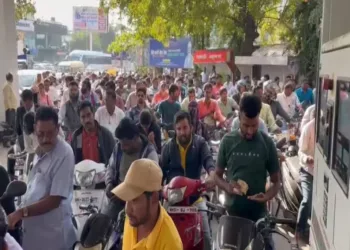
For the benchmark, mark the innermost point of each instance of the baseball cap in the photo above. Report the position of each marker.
(144, 175)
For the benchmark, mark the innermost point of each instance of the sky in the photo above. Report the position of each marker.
(62, 10)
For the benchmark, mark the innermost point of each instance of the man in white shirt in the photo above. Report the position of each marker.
(288, 99)
(204, 76)
(109, 116)
(308, 116)
(306, 159)
(65, 96)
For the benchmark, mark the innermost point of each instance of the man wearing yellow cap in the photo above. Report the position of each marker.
(147, 226)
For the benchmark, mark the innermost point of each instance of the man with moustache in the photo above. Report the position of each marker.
(91, 141)
(46, 206)
(68, 115)
(186, 155)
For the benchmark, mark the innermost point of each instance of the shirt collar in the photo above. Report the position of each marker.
(186, 147)
(153, 236)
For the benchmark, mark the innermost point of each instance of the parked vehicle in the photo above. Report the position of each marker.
(237, 233)
(14, 189)
(178, 196)
(70, 67)
(88, 191)
(100, 231)
(26, 78)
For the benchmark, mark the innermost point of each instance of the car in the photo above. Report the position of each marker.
(27, 77)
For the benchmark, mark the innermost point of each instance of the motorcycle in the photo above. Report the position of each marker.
(178, 195)
(238, 233)
(88, 191)
(14, 189)
(100, 231)
(7, 135)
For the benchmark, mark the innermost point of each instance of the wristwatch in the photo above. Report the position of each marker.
(25, 212)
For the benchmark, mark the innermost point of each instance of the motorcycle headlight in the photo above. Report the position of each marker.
(176, 195)
(84, 179)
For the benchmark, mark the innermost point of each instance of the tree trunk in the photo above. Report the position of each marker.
(250, 29)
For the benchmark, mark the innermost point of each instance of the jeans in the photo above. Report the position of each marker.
(305, 206)
(206, 226)
(10, 115)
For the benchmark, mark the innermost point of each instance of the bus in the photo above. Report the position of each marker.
(90, 57)
(331, 202)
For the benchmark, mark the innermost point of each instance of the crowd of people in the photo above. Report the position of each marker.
(124, 122)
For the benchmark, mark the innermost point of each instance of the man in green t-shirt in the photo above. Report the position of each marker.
(248, 155)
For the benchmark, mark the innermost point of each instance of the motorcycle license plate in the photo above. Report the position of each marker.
(93, 197)
(182, 210)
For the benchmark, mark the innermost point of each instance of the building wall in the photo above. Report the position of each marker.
(273, 71)
(8, 48)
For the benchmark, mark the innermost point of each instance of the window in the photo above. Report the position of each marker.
(341, 158)
(324, 116)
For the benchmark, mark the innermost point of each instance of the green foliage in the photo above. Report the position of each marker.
(81, 40)
(23, 8)
(233, 23)
(305, 37)
(224, 23)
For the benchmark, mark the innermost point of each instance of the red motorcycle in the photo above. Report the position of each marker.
(179, 195)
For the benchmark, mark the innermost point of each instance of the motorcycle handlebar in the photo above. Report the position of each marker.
(284, 221)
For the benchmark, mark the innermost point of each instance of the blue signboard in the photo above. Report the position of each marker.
(178, 54)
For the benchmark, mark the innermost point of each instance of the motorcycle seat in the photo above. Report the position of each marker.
(96, 230)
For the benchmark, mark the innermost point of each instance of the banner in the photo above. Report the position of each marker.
(90, 19)
(211, 56)
(177, 55)
(25, 25)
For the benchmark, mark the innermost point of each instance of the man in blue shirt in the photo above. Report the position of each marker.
(305, 94)
(46, 206)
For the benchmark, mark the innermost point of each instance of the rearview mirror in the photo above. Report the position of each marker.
(14, 189)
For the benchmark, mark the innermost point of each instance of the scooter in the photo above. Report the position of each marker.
(7, 135)
(88, 191)
(14, 189)
(178, 195)
(237, 233)
(100, 231)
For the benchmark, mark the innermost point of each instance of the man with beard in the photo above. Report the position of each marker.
(248, 155)
(69, 117)
(91, 141)
(186, 155)
(135, 111)
(147, 225)
(131, 146)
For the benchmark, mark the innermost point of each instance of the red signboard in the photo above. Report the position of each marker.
(211, 56)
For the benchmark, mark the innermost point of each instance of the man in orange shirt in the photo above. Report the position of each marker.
(217, 87)
(209, 109)
(161, 95)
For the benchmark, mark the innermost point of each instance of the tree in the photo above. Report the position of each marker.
(237, 22)
(306, 36)
(81, 40)
(23, 8)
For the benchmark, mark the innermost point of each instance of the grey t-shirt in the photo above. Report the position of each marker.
(125, 163)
